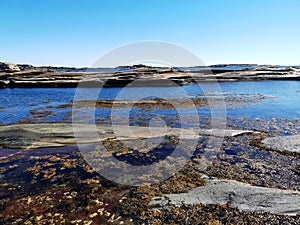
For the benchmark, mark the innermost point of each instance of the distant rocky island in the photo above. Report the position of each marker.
(23, 75)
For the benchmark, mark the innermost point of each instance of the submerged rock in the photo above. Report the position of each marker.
(237, 194)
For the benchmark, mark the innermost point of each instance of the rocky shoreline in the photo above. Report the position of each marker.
(251, 177)
(247, 182)
(26, 76)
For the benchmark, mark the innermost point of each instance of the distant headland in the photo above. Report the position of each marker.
(24, 75)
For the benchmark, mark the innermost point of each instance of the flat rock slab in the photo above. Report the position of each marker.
(32, 136)
(241, 195)
(283, 143)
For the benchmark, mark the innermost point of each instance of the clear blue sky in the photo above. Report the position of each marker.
(77, 33)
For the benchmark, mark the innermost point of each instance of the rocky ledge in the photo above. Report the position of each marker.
(33, 136)
(283, 143)
(13, 76)
(244, 196)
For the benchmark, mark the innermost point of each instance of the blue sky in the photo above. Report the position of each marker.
(77, 33)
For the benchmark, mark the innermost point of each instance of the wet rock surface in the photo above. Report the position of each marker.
(56, 184)
(45, 179)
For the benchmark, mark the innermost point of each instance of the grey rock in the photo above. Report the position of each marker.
(283, 143)
(70, 77)
(241, 195)
(32, 136)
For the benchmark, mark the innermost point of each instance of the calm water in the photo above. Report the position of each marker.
(16, 104)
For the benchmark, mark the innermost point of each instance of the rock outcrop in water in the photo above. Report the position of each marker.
(13, 76)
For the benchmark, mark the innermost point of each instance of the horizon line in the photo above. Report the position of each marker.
(145, 65)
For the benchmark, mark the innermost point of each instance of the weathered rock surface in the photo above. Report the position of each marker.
(283, 143)
(11, 76)
(9, 67)
(32, 136)
(237, 194)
